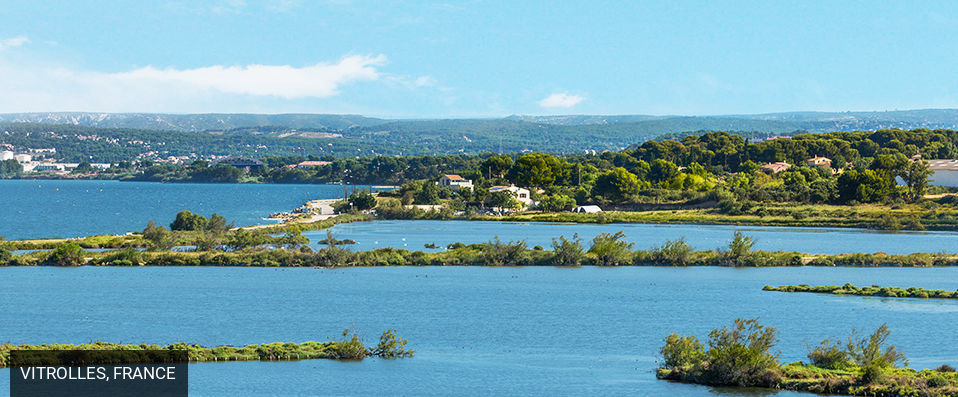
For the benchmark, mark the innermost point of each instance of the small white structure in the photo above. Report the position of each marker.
(589, 209)
(23, 158)
(455, 182)
(6, 155)
(521, 194)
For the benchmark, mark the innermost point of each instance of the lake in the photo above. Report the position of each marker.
(413, 235)
(476, 331)
(72, 208)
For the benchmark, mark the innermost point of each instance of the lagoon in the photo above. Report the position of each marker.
(413, 235)
(73, 208)
(476, 331)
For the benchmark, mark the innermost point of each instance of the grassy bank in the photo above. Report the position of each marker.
(605, 250)
(874, 290)
(349, 348)
(864, 365)
(870, 216)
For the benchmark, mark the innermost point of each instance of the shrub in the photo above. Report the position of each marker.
(567, 252)
(871, 354)
(741, 355)
(391, 346)
(829, 355)
(676, 252)
(498, 253)
(937, 380)
(682, 351)
(350, 348)
(945, 368)
(69, 254)
(609, 249)
(187, 220)
(740, 245)
(5, 256)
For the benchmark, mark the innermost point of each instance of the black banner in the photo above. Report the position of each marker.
(139, 373)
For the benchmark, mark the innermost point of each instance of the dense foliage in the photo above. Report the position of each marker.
(743, 356)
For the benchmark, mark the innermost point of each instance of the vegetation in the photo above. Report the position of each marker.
(743, 356)
(874, 290)
(390, 346)
(256, 248)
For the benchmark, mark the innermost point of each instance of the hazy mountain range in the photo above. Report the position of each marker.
(355, 135)
(771, 122)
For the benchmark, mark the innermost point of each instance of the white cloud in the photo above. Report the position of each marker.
(561, 100)
(13, 42)
(45, 87)
(321, 80)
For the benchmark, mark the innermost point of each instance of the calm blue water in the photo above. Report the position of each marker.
(413, 235)
(53, 208)
(477, 331)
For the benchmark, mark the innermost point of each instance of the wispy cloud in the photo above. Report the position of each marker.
(13, 42)
(561, 100)
(30, 87)
(321, 80)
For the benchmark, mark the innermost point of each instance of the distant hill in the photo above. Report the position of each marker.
(193, 122)
(353, 135)
(811, 121)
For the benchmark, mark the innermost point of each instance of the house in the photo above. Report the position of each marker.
(6, 155)
(239, 162)
(310, 164)
(521, 194)
(589, 209)
(820, 162)
(775, 168)
(23, 158)
(455, 182)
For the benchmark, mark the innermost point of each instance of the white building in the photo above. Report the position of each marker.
(6, 155)
(23, 158)
(521, 194)
(591, 209)
(455, 182)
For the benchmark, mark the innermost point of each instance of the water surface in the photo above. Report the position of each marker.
(477, 331)
(413, 235)
(73, 208)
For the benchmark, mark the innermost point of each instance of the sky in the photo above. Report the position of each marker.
(423, 59)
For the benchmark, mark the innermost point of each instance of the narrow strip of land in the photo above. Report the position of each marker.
(874, 290)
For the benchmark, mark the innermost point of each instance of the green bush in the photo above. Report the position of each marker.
(567, 252)
(740, 356)
(611, 250)
(829, 355)
(682, 351)
(69, 254)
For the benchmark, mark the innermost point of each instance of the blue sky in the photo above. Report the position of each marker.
(477, 58)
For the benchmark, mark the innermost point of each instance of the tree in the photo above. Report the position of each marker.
(567, 252)
(10, 168)
(428, 194)
(362, 200)
(186, 221)
(217, 224)
(740, 245)
(739, 355)
(82, 168)
(617, 185)
(537, 169)
(662, 170)
(158, 236)
(504, 199)
(496, 166)
(556, 202)
(611, 249)
(871, 354)
(68, 254)
(915, 174)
